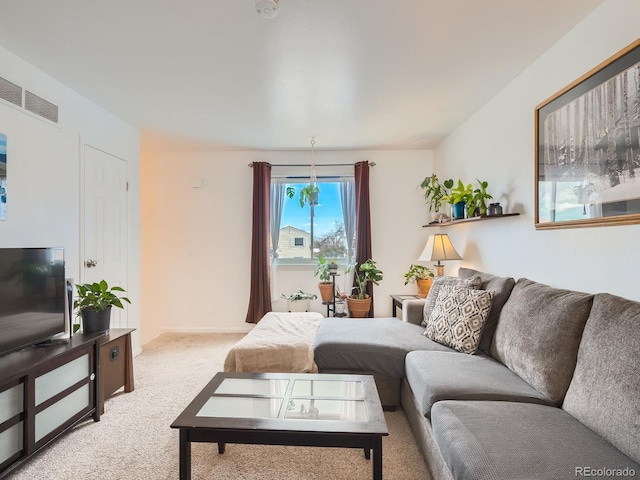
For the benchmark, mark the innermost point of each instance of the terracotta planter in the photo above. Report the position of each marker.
(326, 291)
(93, 322)
(359, 308)
(424, 285)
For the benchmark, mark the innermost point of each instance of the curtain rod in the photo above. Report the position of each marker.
(371, 164)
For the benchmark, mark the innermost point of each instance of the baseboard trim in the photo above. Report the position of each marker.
(239, 329)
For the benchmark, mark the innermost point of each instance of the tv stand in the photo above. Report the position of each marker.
(49, 343)
(44, 392)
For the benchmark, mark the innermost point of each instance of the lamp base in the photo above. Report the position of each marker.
(439, 270)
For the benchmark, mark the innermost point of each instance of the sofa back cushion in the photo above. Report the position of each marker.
(605, 391)
(538, 335)
(501, 286)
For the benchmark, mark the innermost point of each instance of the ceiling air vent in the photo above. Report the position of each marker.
(40, 106)
(10, 92)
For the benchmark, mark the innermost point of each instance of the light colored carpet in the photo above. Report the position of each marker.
(133, 439)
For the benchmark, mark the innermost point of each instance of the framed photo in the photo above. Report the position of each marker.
(587, 160)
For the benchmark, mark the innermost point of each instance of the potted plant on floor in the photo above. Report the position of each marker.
(323, 270)
(94, 304)
(422, 276)
(299, 301)
(359, 303)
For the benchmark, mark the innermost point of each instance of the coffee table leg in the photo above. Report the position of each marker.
(185, 456)
(377, 458)
(221, 447)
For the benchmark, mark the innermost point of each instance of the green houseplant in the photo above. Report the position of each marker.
(323, 270)
(421, 276)
(478, 200)
(94, 303)
(459, 196)
(434, 191)
(359, 302)
(299, 301)
(309, 194)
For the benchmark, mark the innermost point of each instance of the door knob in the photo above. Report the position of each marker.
(90, 263)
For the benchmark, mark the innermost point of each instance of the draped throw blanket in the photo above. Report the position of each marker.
(280, 342)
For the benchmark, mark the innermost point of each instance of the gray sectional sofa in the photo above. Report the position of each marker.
(552, 393)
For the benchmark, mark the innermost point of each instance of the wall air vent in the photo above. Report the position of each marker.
(10, 92)
(40, 106)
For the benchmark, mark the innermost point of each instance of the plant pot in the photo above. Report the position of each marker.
(94, 322)
(424, 285)
(457, 210)
(313, 198)
(339, 307)
(359, 308)
(299, 305)
(326, 291)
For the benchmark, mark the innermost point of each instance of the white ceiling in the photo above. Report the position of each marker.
(356, 74)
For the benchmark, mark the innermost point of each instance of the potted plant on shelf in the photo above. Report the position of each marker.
(341, 301)
(299, 301)
(477, 205)
(434, 193)
(422, 276)
(323, 270)
(458, 198)
(359, 302)
(94, 304)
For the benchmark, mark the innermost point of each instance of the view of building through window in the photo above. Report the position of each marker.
(298, 240)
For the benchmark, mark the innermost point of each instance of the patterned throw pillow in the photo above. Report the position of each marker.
(469, 282)
(458, 318)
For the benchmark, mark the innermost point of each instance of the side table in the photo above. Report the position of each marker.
(397, 302)
(116, 363)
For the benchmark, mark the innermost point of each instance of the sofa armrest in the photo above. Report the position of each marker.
(412, 310)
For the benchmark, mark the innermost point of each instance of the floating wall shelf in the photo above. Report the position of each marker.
(470, 220)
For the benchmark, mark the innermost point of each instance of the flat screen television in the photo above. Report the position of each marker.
(32, 296)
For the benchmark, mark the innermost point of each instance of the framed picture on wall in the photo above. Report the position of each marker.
(587, 159)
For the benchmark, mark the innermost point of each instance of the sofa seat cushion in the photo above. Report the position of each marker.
(505, 440)
(605, 390)
(437, 376)
(376, 345)
(501, 288)
(538, 335)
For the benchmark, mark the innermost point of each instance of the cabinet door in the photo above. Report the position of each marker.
(63, 394)
(11, 422)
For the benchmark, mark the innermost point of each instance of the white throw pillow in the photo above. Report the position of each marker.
(458, 317)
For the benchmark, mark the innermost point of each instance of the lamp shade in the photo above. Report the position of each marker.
(439, 248)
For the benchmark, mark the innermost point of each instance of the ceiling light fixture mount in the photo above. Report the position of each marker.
(267, 8)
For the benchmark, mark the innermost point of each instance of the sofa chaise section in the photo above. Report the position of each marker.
(376, 346)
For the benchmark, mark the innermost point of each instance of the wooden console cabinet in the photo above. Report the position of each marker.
(46, 390)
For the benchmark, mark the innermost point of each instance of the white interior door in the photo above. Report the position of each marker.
(105, 223)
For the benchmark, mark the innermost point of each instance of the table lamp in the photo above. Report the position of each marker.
(439, 248)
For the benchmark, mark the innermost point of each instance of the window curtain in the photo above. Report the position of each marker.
(363, 220)
(260, 292)
(347, 200)
(277, 204)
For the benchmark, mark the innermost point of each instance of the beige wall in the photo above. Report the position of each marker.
(201, 273)
(44, 172)
(497, 144)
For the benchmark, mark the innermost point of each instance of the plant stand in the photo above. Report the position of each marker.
(331, 305)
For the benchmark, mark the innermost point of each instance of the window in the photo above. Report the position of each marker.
(317, 229)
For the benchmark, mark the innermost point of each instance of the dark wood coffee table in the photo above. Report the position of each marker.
(321, 410)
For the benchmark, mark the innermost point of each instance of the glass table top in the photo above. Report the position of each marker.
(288, 399)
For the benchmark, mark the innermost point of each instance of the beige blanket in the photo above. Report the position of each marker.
(280, 342)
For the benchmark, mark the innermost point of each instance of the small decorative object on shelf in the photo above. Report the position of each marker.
(494, 209)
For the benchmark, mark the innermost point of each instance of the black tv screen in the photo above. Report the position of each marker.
(32, 296)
